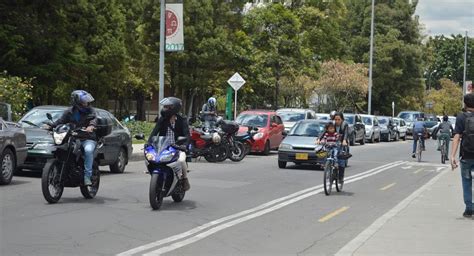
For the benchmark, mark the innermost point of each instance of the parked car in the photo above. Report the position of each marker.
(12, 149)
(270, 129)
(323, 116)
(387, 129)
(299, 146)
(372, 129)
(400, 127)
(410, 117)
(290, 116)
(115, 152)
(356, 128)
(431, 121)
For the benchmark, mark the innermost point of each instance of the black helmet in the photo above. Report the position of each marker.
(445, 118)
(81, 98)
(332, 114)
(171, 106)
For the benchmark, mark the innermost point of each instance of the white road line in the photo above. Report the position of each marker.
(245, 216)
(359, 240)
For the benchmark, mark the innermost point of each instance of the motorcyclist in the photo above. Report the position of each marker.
(209, 113)
(443, 132)
(172, 125)
(81, 114)
(419, 126)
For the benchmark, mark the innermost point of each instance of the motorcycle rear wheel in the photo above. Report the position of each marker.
(179, 193)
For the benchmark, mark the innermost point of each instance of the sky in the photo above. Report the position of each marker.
(446, 16)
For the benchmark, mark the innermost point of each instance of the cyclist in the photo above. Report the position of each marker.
(418, 127)
(443, 132)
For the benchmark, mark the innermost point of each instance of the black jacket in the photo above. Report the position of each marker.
(181, 128)
(80, 119)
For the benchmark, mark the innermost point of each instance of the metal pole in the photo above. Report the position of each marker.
(235, 105)
(162, 53)
(371, 56)
(465, 67)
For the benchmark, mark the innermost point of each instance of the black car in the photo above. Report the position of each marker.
(388, 130)
(356, 129)
(115, 152)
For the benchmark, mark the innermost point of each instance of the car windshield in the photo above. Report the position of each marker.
(367, 120)
(257, 120)
(409, 116)
(383, 121)
(309, 129)
(349, 119)
(38, 117)
(291, 116)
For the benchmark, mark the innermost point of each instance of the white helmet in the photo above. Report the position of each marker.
(212, 101)
(216, 138)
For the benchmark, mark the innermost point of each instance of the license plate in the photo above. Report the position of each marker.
(301, 156)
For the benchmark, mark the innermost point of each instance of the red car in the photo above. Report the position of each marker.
(270, 129)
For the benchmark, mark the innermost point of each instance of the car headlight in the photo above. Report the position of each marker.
(166, 158)
(258, 136)
(285, 146)
(59, 137)
(43, 145)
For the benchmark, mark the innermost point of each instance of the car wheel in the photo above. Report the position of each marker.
(362, 141)
(353, 139)
(405, 137)
(281, 164)
(119, 165)
(266, 151)
(7, 166)
(397, 136)
(372, 139)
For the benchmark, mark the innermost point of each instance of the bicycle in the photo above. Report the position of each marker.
(419, 146)
(443, 149)
(331, 173)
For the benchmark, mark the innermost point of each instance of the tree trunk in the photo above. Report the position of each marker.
(140, 98)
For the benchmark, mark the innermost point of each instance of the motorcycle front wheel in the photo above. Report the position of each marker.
(155, 193)
(90, 192)
(51, 184)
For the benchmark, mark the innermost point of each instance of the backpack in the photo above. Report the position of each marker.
(468, 134)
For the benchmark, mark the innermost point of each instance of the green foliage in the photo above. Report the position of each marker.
(15, 91)
(137, 127)
(446, 100)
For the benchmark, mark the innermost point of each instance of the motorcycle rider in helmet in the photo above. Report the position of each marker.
(172, 125)
(209, 113)
(81, 114)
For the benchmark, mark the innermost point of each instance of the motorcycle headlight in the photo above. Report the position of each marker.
(166, 158)
(59, 137)
(284, 146)
(150, 157)
(258, 136)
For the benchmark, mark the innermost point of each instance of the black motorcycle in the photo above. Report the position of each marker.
(247, 139)
(66, 169)
(237, 151)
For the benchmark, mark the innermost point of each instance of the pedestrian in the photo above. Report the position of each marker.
(464, 133)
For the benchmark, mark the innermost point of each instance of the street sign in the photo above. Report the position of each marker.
(174, 27)
(429, 104)
(236, 81)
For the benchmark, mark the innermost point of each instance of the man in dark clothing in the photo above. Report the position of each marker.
(443, 132)
(172, 125)
(209, 113)
(467, 156)
(81, 114)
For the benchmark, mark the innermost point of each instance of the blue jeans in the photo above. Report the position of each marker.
(89, 148)
(467, 167)
(415, 140)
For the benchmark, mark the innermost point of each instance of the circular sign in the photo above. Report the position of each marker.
(171, 23)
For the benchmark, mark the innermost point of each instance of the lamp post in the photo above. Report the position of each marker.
(371, 55)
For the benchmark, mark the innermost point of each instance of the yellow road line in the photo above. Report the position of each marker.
(388, 186)
(417, 171)
(333, 214)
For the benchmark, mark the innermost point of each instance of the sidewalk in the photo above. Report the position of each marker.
(429, 222)
(137, 153)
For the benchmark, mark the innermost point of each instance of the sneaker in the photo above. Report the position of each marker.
(186, 184)
(467, 213)
(87, 181)
(413, 155)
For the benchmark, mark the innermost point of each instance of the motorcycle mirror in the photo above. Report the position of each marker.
(140, 136)
(49, 116)
(181, 140)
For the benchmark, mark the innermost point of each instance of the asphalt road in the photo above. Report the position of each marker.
(246, 208)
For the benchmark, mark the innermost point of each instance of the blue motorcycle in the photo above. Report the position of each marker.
(166, 173)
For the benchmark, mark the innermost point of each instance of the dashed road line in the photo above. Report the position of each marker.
(333, 214)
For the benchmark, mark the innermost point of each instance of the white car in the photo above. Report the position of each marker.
(372, 128)
(290, 116)
(400, 127)
(323, 116)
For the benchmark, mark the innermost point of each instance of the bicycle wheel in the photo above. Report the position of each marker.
(339, 185)
(328, 178)
(443, 153)
(418, 151)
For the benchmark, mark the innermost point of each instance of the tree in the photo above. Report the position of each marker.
(345, 85)
(446, 100)
(17, 92)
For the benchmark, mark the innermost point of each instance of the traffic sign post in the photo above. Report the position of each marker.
(236, 82)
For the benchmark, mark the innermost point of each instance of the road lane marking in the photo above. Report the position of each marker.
(234, 219)
(351, 247)
(388, 186)
(417, 171)
(333, 214)
(407, 167)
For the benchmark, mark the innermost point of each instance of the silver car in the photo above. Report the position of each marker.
(372, 128)
(299, 146)
(292, 115)
(401, 127)
(12, 149)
